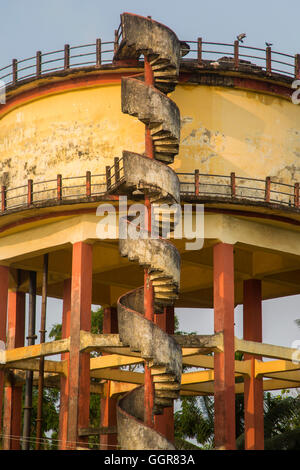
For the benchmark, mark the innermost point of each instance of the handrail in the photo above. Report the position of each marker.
(289, 68)
(198, 184)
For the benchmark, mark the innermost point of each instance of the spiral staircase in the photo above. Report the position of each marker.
(159, 183)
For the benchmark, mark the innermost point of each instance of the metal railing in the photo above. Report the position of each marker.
(239, 187)
(204, 186)
(53, 190)
(236, 56)
(86, 55)
(114, 174)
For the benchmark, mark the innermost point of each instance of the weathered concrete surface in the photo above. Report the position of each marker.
(163, 261)
(73, 132)
(147, 338)
(261, 137)
(150, 176)
(155, 110)
(67, 133)
(142, 35)
(145, 36)
(132, 432)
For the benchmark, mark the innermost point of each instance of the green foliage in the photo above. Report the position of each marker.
(281, 414)
(56, 332)
(97, 321)
(185, 445)
(50, 423)
(195, 421)
(50, 418)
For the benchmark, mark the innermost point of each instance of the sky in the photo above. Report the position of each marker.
(46, 25)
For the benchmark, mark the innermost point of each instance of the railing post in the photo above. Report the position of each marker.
(297, 66)
(38, 64)
(268, 189)
(88, 178)
(197, 182)
(268, 60)
(116, 42)
(296, 195)
(232, 184)
(236, 55)
(29, 192)
(67, 57)
(59, 187)
(3, 198)
(14, 71)
(98, 52)
(199, 51)
(117, 169)
(108, 177)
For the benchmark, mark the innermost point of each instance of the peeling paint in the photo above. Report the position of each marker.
(222, 130)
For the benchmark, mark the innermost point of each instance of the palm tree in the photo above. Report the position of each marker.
(195, 420)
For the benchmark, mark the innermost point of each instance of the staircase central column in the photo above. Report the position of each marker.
(224, 376)
(148, 288)
(79, 362)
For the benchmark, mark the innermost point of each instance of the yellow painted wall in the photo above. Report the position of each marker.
(223, 130)
(68, 133)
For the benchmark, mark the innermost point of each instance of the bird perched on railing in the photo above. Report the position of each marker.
(241, 36)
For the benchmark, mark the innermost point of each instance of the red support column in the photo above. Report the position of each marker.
(148, 380)
(253, 387)
(108, 404)
(148, 288)
(13, 394)
(79, 365)
(224, 379)
(64, 381)
(164, 423)
(4, 273)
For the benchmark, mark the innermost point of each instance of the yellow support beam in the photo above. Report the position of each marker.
(113, 360)
(292, 376)
(207, 362)
(266, 350)
(265, 368)
(35, 351)
(119, 375)
(197, 377)
(94, 342)
(117, 388)
(58, 367)
(192, 357)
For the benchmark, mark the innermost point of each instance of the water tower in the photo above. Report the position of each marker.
(158, 120)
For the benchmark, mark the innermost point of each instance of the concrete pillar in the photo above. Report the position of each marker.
(13, 394)
(148, 379)
(79, 365)
(148, 288)
(4, 273)
(108, 404)
(253, 387)
(224, 380)
(164, 423)
(64, 381)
